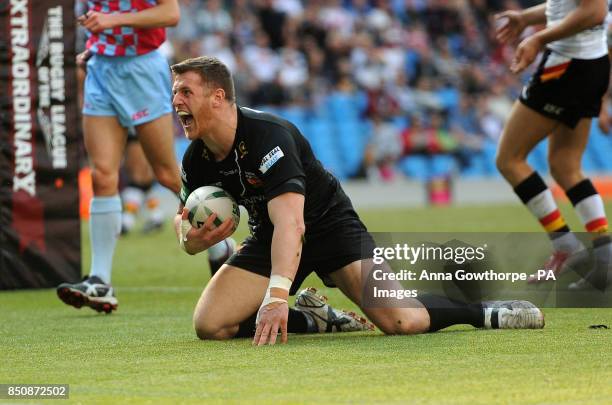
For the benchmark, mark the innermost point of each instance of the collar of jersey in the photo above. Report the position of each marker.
(237, 136)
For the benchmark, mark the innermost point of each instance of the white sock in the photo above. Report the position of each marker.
(592, 214)
(132, 199)
(154, 211)
(221, 249)
(104, 229)
(128, 220)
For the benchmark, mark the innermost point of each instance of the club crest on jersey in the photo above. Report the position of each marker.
(270, 159)
(253, 180)
(205, 154)
(242, 149)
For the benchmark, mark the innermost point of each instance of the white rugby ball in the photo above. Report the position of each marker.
(203, 201)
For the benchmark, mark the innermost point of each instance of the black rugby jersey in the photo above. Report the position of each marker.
(269, 157)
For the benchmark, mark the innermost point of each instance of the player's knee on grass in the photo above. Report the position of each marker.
(210, 327)
(209, 331)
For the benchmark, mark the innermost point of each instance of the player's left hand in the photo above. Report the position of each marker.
(525, 54)
(97, 22)
(82, 58)
(271, 317)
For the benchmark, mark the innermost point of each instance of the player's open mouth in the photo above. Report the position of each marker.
(186, 118)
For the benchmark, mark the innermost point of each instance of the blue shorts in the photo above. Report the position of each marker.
(135, 89)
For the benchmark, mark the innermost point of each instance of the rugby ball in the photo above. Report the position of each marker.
(203, 201)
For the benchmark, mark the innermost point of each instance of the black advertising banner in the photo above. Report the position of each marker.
(39, 145)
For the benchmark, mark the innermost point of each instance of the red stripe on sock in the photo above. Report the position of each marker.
(550, 217)
(596, 224)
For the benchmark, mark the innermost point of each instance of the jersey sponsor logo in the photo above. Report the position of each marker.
(270, 159)
(253, 180)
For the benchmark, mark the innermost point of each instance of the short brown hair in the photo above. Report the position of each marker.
(211, 70)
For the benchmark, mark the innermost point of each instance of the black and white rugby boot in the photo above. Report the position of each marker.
(91, 292)
(322, 318)
(512, 315)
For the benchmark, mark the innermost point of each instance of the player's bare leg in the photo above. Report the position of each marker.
(137, 165)
(138, 196)
(566, 149)
(105, 141)
(231, 297)
(430, 313)
(157, 140)
(228, 306)
(524, 129)
(410, 320)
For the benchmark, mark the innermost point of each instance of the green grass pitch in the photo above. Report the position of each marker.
(147, 351)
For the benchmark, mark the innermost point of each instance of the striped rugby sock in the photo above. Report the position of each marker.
(536, 195)
(590, 209)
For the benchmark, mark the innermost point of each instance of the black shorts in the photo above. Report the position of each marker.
(567, 89)
(341, 240)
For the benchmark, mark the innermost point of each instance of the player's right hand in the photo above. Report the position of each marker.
(200, 239)
(510, 24)
(97, 22)
(526, 53)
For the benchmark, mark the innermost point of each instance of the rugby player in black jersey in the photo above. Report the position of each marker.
(300, 220)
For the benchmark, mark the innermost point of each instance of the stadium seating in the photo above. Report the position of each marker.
(339, 136)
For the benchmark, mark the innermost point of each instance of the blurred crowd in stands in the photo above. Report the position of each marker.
(382, 89)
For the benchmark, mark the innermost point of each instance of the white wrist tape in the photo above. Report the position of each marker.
(281, 282)
(276, 281)
(269, 300)
(185, 228)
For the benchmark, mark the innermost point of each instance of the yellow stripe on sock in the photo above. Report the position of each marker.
(555, 225)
